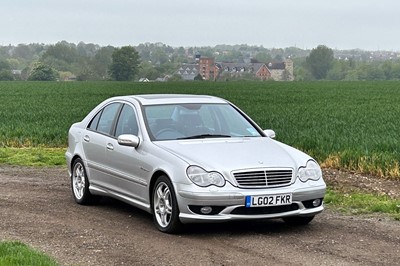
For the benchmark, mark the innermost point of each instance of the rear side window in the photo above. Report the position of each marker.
(104, 120)
(95, 121)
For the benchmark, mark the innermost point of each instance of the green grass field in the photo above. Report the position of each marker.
(353, 125)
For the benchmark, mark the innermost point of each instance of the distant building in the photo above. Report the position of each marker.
(211, 70)
(188, 71)
(207, 68)
(257, 70)
(16, 72)
(162, 79)
(281, 70)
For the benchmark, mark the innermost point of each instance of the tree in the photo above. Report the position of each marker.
(23, 51)
(102, 61)
(339, 69)
(5, 70)
(62, 51)
(125, 62)
(6, 75)
(370, 72)
(175, 77)
(198, 77)
(42, 72)
(320, 61)
(262, 57)
(87, 73)
(4, 65)
(146, 70)
(159, 57)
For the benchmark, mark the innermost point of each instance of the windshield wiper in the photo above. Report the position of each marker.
(206, 136)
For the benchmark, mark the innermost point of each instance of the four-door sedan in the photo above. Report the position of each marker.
(188, 158)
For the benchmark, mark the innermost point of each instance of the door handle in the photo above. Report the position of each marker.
(110, 147)
(86, 138)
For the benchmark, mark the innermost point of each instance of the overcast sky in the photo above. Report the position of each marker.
(341, 24)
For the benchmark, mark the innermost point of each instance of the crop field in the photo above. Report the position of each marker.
(354, 125)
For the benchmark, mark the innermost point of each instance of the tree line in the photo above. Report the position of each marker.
(68, 61)
(321, 64)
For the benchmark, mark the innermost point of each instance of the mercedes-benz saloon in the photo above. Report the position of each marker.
(189, 159)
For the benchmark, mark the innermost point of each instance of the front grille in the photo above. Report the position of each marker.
(264, 178)
(265, 210)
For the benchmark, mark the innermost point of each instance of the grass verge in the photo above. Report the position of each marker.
(362, 203)
(16, 253)
(32, 156)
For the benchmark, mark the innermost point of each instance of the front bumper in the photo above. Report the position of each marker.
(231, 204)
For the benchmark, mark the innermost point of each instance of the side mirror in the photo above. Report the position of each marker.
(270, 133)
(128, 140)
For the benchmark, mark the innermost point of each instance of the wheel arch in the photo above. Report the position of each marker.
(153, 180)
(167, 222)
(73, 160)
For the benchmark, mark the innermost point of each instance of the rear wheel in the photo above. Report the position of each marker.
(165, 207)
(80, 184)
(298, 220)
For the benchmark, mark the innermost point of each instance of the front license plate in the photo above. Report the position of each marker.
(268, 200)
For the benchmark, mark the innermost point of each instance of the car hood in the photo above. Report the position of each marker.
(236, 153)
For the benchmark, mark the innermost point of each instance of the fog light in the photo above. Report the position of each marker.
(316, 202)
(206, 210)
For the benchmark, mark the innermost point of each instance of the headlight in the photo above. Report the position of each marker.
(311, 171)
(202, 178)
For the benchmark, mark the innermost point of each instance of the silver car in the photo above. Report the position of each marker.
(189, 159)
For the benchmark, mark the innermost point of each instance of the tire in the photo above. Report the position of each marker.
(80, 184)
(164, 206)
(298, 220)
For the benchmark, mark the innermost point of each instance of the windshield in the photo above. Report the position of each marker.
(192, 121)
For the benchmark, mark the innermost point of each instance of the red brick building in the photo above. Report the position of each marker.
(207, 68)
(263, 72)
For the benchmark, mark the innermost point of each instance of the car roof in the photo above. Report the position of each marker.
(154, 99)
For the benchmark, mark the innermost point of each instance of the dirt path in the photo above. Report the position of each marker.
(37, 208)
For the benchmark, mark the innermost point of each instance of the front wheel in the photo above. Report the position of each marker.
(298, 220)
(80, 184)
(165, 207)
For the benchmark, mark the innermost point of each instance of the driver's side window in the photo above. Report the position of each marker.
(127, 122)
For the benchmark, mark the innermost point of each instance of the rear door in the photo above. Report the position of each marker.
(95, 140)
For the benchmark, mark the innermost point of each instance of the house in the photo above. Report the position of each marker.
(188, 71)
(258, 70)
(211, 70)
(263, 72)
(281, 70)
(162, 79)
